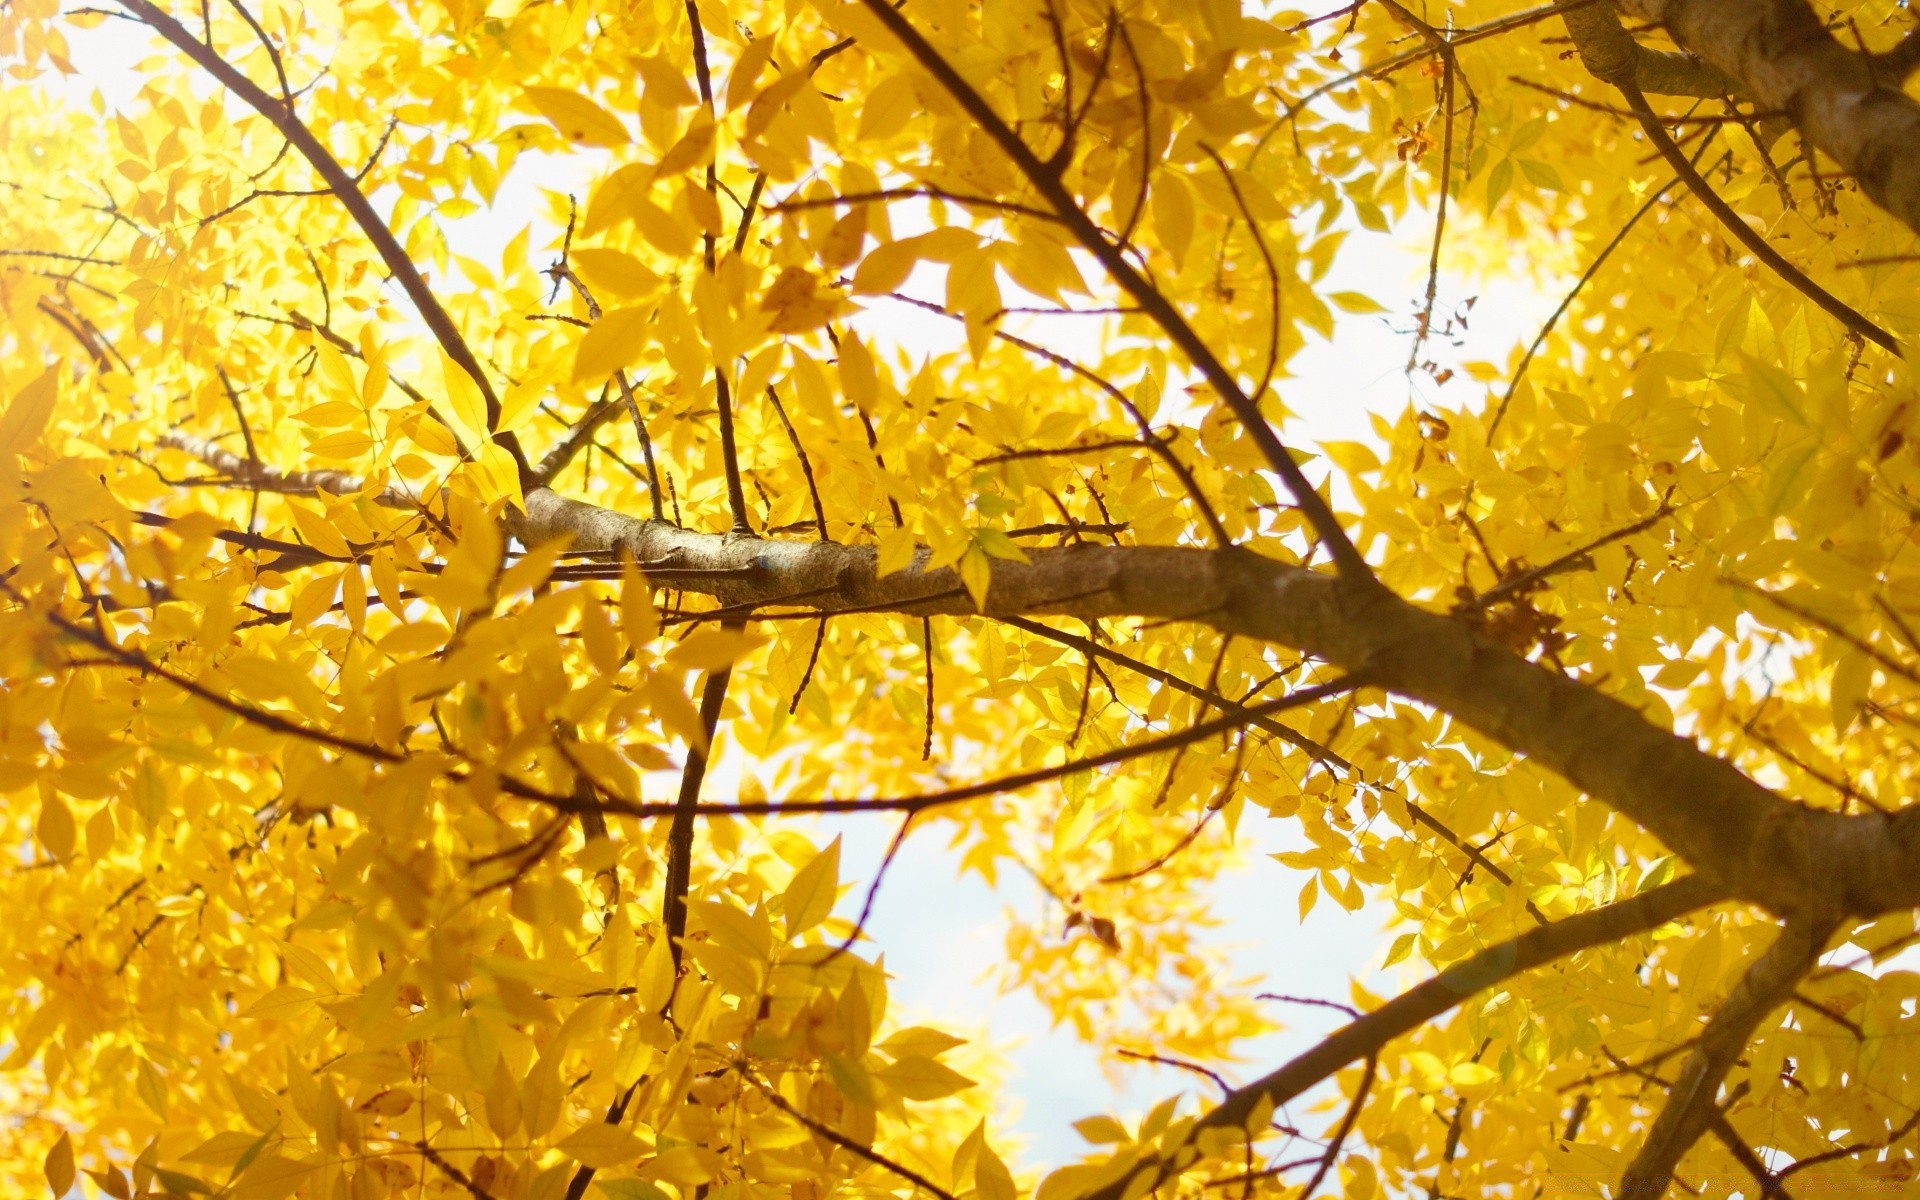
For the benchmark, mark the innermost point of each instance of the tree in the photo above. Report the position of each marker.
(370, 612)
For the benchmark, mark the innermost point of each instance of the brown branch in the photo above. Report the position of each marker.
(1846, 102)
(1365, 1036)
(249, 473)
(1778, 855)
(1142, 291)
(912, 193)
(1612, 54)
(1744, 233)
(846, 1143)
(1525, 581)
(459, 1177)
(679, 877)
(1346, 1127)
(1693, 1099)
(397, 261)
(807, 465)
(577, 437)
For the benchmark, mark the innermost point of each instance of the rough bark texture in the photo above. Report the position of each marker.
(1846, 103)
(1761, 848)
(1610, 53)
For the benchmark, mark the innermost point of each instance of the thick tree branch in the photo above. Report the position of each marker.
(1845, 102)
(1781, 856)
(1611, 53)
(250, 473)
(1787, 858)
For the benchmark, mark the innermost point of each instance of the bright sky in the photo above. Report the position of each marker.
(942, 934)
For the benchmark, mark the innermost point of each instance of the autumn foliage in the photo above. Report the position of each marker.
(374, 596)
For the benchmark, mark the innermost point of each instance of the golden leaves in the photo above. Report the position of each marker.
(27, 413)
(55, 828)
(59, 1166)
(809, 899)
(798, 303)
(465, 403)
(615, 341)
(601, 1146)
(578, 117)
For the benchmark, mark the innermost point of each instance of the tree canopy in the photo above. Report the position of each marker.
(370, 611)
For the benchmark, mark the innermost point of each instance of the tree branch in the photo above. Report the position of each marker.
(343, 186)
(1781, 856)
(1611, 54)
(1364, 1037)
(1845, 102)
(1137, 286)
(1746, 234)
(1694, 1098)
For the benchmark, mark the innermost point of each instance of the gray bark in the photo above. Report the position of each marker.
(1788, 859)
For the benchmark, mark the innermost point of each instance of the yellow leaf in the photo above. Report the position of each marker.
(638, 618)
(615, 341)
(991, 1177)
(613, 272)
(842, 243)
(59, 1166)
(769, 103)
(709, 648)
(797, 303)
(601, 1146)
(897, 548)
(280, 1004)
(274, 1177)
(388, 1102)
(923, 1079)
(499, 474)
(26, 416)
(693, 149)
(577, 117)
(1356, 302)
(976, 572)
(919, 1040)
(886, 268)
(665, 84)
(667, 233)
(809, 899)
(746, 70)
(468, 405)
(56, 829)
(520, 399)
(344, 446)
(859, 379)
